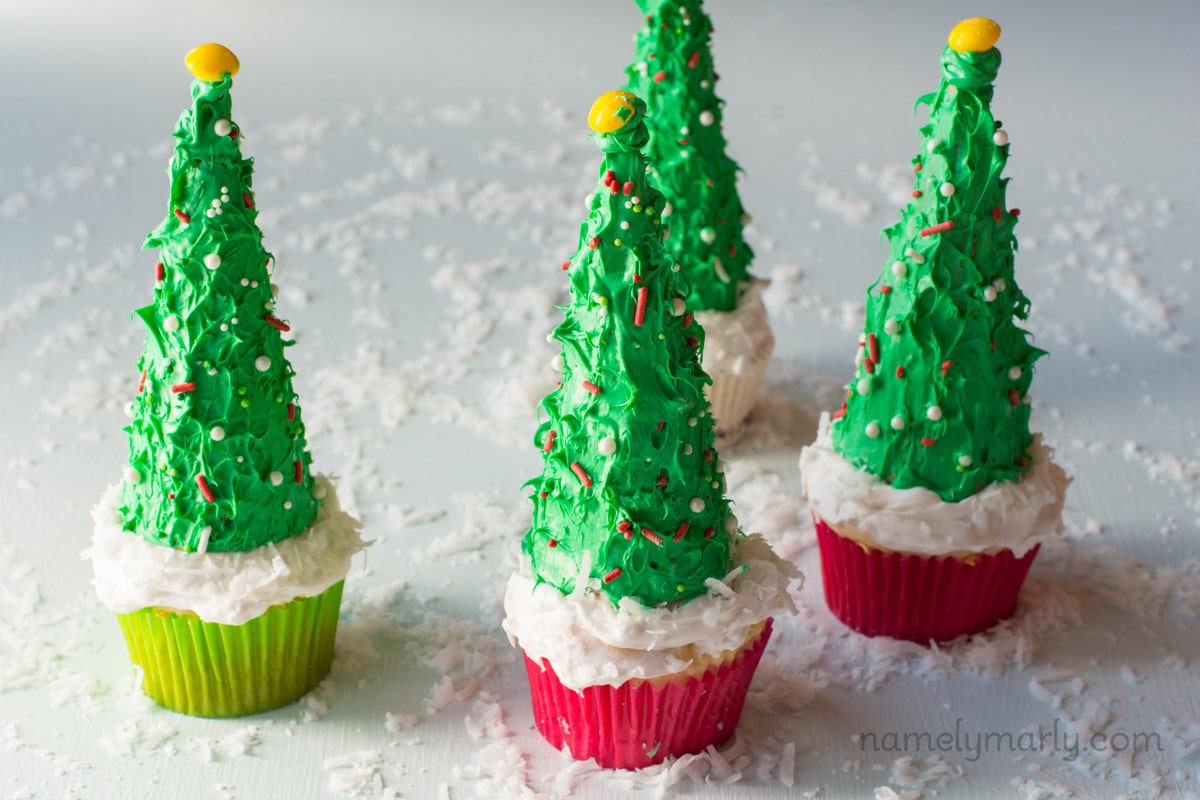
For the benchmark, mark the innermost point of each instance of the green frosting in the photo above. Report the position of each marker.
(630, 417)
(673, 72)
(215, 412)
(943, 369)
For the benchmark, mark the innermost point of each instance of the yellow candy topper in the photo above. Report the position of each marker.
(212, 62)
(611, 111)
(974, 35)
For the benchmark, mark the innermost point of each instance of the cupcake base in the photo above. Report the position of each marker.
(732, 396)
(642, 722)
(207, 669)
(916, 597)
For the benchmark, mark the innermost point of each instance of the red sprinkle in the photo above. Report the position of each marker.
(1013, 397)
(885, 289)
(693, 341)
(928, 442)
(566, 265)
(624, 526)
(543, 494)
(694, 59)
(869, 366)
(899, 372)
(609, 177)
(170, 495)
(917, 167)
(184, 218)
(661, 482)
(997, 213)
(612, 576)
(637, 278)
(274, 323)
(1016, 212)
(204, 490)
(659, 77)
(233, 134)
(1021, 462)
(553, 542)
(680, 532)
(916, 192)
(873, 347)
(652, 536)
(581, 473)
(159, 272)
(248, 200)
(841, 412)
(732, 250)
(708, 532)
(291, 408)
(941, 227)
(142, 382)
(614, 187)
(687, 319)
(661, 425)
(946, 366)
(548, 444)
(639, 315)
(591, 387)
(298, 469)
(594, 242)
(993, 344)
(627, 189)
(182, 388)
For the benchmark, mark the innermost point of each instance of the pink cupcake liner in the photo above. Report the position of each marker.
(915, 597)
(642, 722)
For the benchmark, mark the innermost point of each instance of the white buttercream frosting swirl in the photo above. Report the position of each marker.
(591, 642)
(230, 588)
(1014, 515)
(738, 341)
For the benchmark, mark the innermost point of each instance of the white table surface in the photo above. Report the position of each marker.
(421, 170)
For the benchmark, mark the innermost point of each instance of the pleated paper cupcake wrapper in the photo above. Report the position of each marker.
(732, 397)
(207, 669)
(642, 722)
(915, 597)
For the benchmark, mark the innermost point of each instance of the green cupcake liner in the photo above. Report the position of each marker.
(206, 669)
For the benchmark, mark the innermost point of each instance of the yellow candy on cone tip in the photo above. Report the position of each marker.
(974, 35)
(611, 111)
(211, 62)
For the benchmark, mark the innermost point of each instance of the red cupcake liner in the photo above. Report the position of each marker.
(643, 722)
(915, 597)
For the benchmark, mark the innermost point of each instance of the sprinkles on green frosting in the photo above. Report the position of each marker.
(217, 454)
(673, 71)
(632, 493)
(940, 395)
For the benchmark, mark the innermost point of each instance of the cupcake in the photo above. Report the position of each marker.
(641, 608)
(704, 218)
(929, 493)
(220, 551)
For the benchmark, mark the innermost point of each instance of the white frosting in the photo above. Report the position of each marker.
(227, 588)
(1012, 515)
(591, 642)
(739, 340)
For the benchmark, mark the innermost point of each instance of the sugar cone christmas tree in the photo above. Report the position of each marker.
(217, 455)
(673, 72)
(631, 493)
(939, 398)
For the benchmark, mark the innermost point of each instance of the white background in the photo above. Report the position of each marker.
(421, 169)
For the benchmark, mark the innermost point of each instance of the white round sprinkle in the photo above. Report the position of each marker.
(218, 211)
(678, 306)
(684, 131)
(1027, 400)
(557, 363)
(276, 478)
(692, 422)
(216, 203)
(934, 413)
(708, 235)
(964, 461)
(674, 268)
(637, 201)
(891, 326)
(731, 523)
(933, 144)
(224, 189)
(210, 213)
(607, 446)
(624, 226)
(716, 484)
(217, 433)
(318, 490)
(212, 261)
(274, 290)
(224, 327)
(864, 386)
(170, 324)
(697, 505)
(947, 189)
(587, 201)
(245, 281)
(222, 127)
(1014, 373)
(685, 154)
(989, 293)
(897, 423)
(873, 430)
(287, 504)
(999, 284)
(224, 198)
(262, 363)
(1000, 138)
(131, 475)
(129, 410)
(899, 269)
(233, 320)
(707, 118)
(666, 212)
